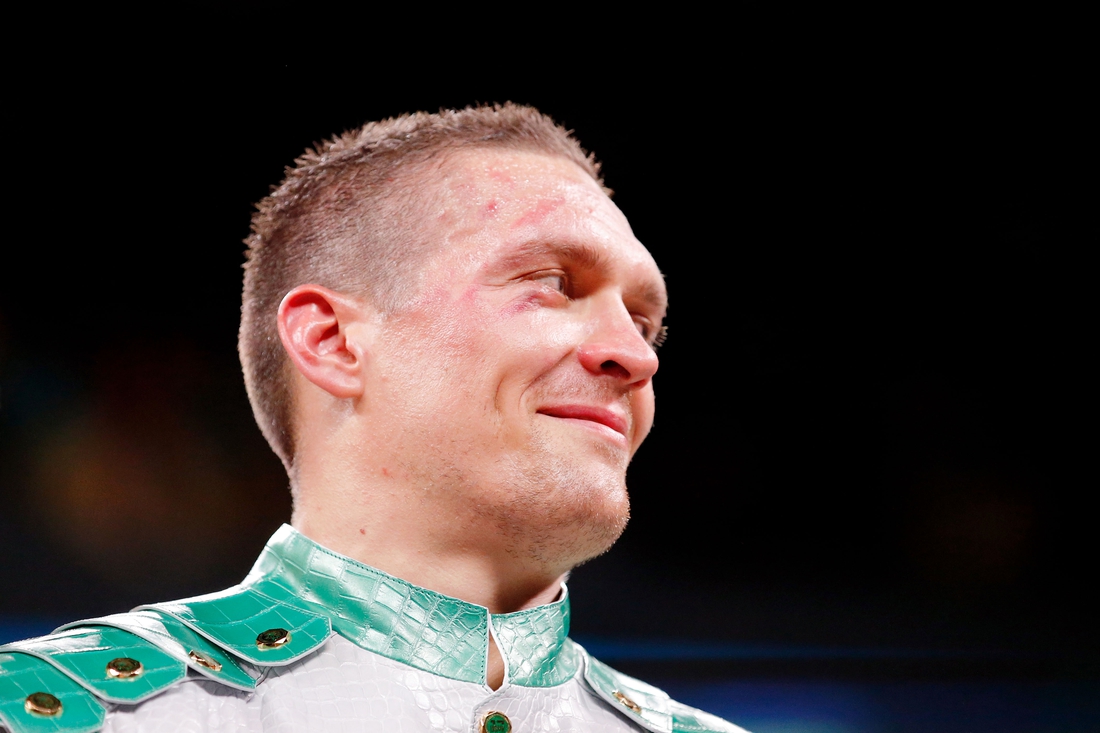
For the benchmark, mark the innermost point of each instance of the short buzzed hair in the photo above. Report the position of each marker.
(346, 217)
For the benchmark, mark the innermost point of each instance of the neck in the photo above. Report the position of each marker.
(451, 549)
(455, 556)
(469, 576)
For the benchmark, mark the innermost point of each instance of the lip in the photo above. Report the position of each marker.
(599, 415)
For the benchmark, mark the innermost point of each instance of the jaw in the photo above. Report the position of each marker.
(568, 507)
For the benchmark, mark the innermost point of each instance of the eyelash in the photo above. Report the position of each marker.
(564, 281)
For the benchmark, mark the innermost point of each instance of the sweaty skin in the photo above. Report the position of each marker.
(475, 442)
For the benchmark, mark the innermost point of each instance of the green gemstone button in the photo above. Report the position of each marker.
(42, 703)
(124, 668)
(272, 638)
(496, 723)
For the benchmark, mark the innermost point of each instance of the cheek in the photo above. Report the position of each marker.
(542, 336)
(447, 327)
(534, 316)
(471, 334)
(437, 311)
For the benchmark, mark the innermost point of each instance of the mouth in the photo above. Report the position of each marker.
(605, 420)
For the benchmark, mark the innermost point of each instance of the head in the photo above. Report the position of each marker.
(450, 306)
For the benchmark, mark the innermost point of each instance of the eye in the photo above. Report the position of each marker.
(553, 280)
(654, 335)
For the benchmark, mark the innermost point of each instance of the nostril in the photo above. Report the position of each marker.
(613, 367)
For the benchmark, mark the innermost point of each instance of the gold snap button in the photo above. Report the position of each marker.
(204, 660)
(42, 703)
(272, 638)
(627, 701)
(496, 723)
(124, 668)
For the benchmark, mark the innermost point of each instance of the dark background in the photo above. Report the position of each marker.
(871, 459)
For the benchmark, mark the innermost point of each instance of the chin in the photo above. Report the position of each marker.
(587, 519)
(560, 501)
(559, 511)
(601, 531)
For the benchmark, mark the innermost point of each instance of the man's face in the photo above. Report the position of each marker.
(519, 379)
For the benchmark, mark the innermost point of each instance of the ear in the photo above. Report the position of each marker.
(325, 334)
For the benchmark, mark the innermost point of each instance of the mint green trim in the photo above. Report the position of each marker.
(22, 675)
(176, 640)
(83, 654)
(376, 611)
(689, 720)
(235, 617)
(424, 629)
(655, 705)
(659, 714)
(533, 643)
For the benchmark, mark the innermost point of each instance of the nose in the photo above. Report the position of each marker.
(615, 348)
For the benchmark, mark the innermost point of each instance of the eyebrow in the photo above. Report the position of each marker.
(578, 253)
(583, 255)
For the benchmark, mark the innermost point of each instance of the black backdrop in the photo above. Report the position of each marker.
(874, 406)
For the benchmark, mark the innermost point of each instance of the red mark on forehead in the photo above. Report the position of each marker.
(499, 175)
(540, 212)
(490, 209)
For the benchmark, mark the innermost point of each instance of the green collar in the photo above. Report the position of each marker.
(412, 625)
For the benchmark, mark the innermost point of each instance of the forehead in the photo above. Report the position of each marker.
(495, 203)
(494, 184)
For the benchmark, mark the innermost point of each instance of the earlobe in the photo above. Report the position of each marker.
(320, 331)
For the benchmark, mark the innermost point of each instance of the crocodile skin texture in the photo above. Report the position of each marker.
(653, 703)
(22, 675)
(235, 617)
(424, 629)
(177, 640)
(84, 654)
(345, 689)
(532, 643)
(427, 630)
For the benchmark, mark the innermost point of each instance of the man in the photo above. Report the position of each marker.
(448, 336)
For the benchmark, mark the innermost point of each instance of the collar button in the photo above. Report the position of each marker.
(495, 722)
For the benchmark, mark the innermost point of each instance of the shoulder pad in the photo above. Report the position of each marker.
(29, 683)
(689, 720)
(642, 703)
(646, 705)
(171, 637)
(126, 658)
(235, 620)
(112, 664)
